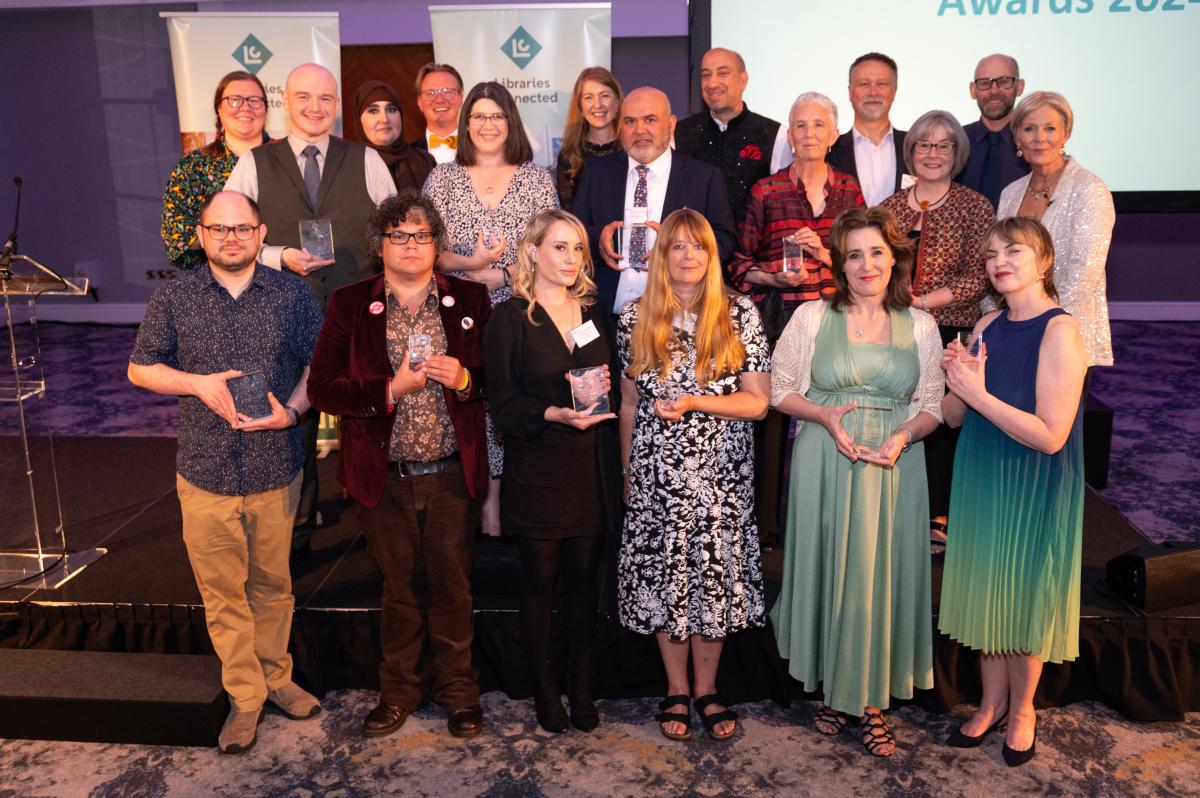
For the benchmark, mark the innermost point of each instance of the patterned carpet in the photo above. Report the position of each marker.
(1153, 480)
(1083, 749)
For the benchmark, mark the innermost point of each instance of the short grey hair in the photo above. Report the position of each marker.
(814, 97)
(925, 125)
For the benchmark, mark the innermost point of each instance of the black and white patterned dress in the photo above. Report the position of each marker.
(689, 561)
(531, 190)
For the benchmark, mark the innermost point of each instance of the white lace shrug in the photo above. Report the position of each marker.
(791, 366)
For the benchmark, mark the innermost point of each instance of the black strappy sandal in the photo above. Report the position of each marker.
(831, 718)
(938, 535)
(877, 735)
(684, 717)
(710, 721)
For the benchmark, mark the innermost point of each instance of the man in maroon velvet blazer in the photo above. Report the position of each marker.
(400, 360)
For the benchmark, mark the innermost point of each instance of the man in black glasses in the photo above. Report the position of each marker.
(400, 359)
(232, 340)
(993, 162)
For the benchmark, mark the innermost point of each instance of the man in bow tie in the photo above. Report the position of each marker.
(440, 97)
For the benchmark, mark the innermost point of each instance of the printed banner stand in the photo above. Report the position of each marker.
(534, 51)
(206, 47)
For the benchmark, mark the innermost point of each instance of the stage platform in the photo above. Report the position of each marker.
(140, 597)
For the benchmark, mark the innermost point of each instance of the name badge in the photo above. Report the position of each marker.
(636, 216)
(584, 334)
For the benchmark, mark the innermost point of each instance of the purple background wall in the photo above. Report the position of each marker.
(90, 125)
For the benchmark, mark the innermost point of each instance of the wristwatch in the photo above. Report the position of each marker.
(294, 413)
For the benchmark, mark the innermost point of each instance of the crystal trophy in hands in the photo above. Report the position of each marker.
(869, 423)
(249, 393)
(589, 390)
(972, 344)
(420, 348)
(316, 238)
(793, 256)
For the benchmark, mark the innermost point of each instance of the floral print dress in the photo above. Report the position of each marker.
(689, 560)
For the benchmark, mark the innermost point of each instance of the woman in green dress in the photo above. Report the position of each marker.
(862, 372)
(1011, 585)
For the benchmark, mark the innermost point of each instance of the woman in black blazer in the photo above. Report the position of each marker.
(561, 468)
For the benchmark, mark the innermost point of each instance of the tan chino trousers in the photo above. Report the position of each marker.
(238, 547)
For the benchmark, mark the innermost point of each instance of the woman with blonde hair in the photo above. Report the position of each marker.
(592, 122)
(560, 491)
(694, 376)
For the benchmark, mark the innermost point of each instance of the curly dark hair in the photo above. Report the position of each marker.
(904, 250)
(409, 205)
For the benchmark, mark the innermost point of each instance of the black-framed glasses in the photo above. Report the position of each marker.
(943, 147)
(400, 238)
(449, 93)
(1005, 82)
(243, 232)
(234, 101)
(482, 119)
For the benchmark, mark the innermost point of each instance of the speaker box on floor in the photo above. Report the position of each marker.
(1157, 576)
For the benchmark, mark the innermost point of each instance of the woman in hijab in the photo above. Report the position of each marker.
(377, 114)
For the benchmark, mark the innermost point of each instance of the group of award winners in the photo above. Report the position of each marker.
(927, 358)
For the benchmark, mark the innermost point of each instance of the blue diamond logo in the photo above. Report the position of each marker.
(252, 54)
(521, 48)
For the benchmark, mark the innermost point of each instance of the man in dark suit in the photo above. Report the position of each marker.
(872, 150)
(400, 358)
(993, 162)
(641, 186)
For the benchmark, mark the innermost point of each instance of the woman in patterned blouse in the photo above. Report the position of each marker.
(240, 104)
(949, 222)
(487, 195)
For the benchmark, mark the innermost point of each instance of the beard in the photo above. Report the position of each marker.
(232, 261)
(995, 110)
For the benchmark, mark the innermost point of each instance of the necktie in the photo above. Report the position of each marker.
(637, 236)
(450, 141)
(989, 176)
(312, 173)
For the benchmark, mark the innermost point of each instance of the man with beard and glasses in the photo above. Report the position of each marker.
(872, 151)
(993, 162)
(641, 186)
(238, 467)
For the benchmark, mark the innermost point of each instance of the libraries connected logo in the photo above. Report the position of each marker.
(252, 54)
(521, 48)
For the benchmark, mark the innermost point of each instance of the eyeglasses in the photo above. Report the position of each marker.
(1006, 82)
(400, 238)
(234, 101)
(449, 93)
(244, 232)
(943, 147)
(483, 119)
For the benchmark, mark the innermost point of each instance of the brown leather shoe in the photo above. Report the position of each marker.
(383, 720)
(466, 722)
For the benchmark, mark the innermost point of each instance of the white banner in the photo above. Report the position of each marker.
(534, 51)
(206, 47)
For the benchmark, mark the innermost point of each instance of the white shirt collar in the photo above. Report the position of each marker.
(860, 138)
(658, 167)
(298, 144)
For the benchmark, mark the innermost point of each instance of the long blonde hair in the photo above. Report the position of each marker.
(719, 349)
(525, 271)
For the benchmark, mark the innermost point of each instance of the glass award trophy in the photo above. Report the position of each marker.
(316, 238)
(793, 256)
(420, 348)
(589, 391)
(249, 393)
(870, 423)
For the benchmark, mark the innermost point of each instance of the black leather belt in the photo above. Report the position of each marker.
(413, 468)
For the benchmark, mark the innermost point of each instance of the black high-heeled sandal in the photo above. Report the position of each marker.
(683, 718)
(959, 740)
(877, 734)
(831, 718)
(710, 721)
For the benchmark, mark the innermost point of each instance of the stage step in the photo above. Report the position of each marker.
(107, 697)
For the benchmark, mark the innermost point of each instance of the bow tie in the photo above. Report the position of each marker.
(450, 141)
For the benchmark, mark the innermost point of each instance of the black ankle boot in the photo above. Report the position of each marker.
(547, 702)
(579, 692)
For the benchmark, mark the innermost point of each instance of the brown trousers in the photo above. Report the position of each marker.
(421, 535)
(238, 547)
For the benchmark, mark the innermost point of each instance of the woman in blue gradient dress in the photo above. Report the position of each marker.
(1011, 583)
